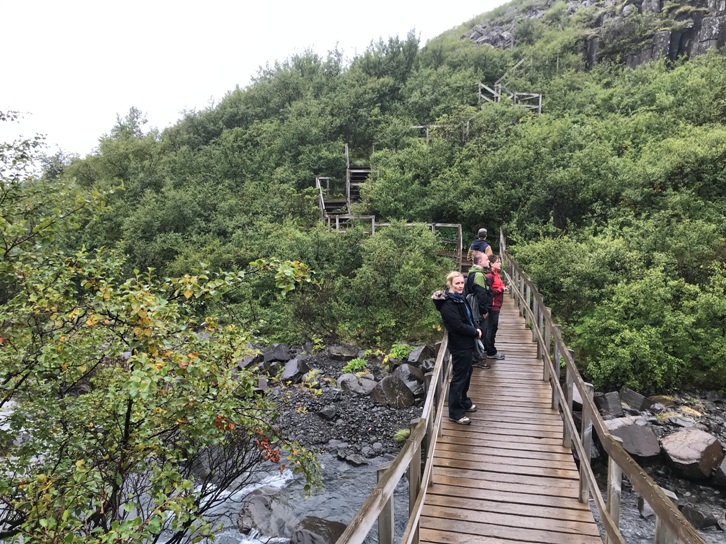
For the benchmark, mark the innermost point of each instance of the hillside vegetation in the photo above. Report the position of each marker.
(134, 281)
(612, 198)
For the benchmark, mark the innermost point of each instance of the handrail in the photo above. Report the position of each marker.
(424, 430)
(671, 525)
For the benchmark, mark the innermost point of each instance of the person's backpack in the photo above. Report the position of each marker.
(471, 297)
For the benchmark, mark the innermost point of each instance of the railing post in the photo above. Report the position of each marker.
(615, 486)
(521, 292)
(527, 304)
(556, 364)
(662, 534)
(569, 378)
(586, 438)
(414, 479)
(535, 324)
(385, 518)
(547, 317)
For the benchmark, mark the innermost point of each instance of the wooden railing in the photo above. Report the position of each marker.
(671, 526)
(379, 505)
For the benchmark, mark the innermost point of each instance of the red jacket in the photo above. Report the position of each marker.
(497, 289)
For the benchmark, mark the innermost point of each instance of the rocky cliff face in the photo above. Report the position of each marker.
(632, 31)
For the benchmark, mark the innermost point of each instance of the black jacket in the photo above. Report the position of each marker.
(456, 320)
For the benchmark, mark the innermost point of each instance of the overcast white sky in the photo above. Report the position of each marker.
(72, 66)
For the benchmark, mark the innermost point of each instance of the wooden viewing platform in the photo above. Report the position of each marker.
(506, 477)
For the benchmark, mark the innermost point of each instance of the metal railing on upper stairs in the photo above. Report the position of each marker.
(671, 526)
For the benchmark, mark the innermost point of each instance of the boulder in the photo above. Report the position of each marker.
(419, 354)
(391, 391)
(427, 365)
(646, 512)
(315, 530)
(342, 353)
(328, 412)
(412, 377)
(354, 459)
(692, 452)
(609, 403)
(353, 384)
(294, 370)
(698, 518)
(262, 513)
(719, 475)
(634, 399)
(638, 439)
(664, 400)
(276, 352)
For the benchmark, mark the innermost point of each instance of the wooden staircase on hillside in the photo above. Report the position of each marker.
(355, 177)
(531, 101)
(335, 201)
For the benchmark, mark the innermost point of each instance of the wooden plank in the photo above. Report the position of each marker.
(449, 450)
(504, 454)
(505, 492)
(512, 508)
(508, 468)
(461, 515)
(487, 473)
(494, 438)
(464, 532)
(506, 484)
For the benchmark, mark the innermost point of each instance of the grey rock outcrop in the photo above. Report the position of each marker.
(639, 32)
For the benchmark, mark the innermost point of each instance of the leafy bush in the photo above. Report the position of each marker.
(355, 365)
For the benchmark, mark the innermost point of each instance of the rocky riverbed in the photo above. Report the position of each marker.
(352, 418)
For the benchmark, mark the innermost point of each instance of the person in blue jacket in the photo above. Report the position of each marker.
(462, 335)
(480, 245)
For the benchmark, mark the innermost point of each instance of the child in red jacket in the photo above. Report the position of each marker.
(492, 322)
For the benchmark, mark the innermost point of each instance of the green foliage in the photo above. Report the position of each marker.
(116, 389)
(401, 435)
(355, 365)
(642, 335)
(399, 351)
(621, 175)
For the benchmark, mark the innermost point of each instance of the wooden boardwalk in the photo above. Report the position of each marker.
(506, 477)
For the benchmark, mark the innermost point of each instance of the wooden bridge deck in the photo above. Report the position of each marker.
(506, 477)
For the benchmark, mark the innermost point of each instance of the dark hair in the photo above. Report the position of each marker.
(482, 233)
(493, 258)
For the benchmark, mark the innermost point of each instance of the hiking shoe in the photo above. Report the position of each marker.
(481, 364)
(471, 408)
(497, 356)
(462, 421)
